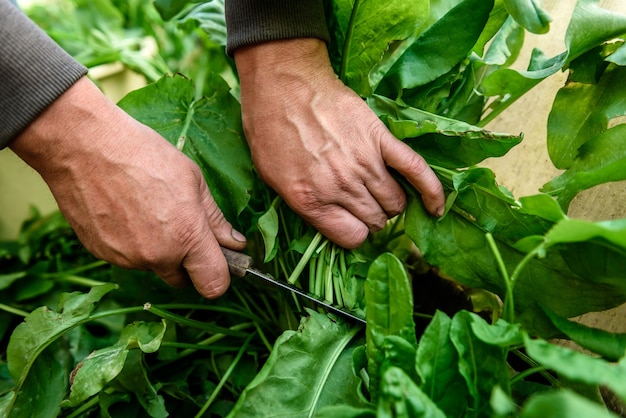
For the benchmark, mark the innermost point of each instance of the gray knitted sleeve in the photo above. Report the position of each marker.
(34, 71)
(253, 21)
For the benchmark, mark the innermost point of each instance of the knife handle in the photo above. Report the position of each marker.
(238, 263)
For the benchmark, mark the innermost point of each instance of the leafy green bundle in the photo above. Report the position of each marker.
(436, 72)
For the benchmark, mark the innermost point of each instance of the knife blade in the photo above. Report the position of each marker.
(240, 264)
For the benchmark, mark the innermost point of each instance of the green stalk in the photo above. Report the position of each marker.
(509, 307)
(206, 342)
(528, 372)
(224, 378)
(537, 367)
(91, 403)
(328, 275)
(200, 307)
(190, 322)
(347, 42)
(319, 273)
(81, 281)
(78, 270)
(13, 310)
(295, 274)
(312, 274)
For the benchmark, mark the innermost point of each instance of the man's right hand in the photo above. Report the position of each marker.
(320, 146)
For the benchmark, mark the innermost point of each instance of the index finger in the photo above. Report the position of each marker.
(416, 170)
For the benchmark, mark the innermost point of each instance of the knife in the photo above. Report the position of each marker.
(240, 264)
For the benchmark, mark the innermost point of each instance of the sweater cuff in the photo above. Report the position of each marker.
(255, 21)
(35, 72)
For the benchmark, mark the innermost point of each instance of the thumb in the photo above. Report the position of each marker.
(205, 263)
(223, 231)
(416, 170)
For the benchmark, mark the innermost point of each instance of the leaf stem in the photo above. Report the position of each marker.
(224, 378)
(162, 313)
(81, 281)
(509, 306)
(295, 274)
(343, 68)
(85, 406)
(13, 310)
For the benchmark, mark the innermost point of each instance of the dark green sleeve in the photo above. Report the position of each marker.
(34, 71)
(254, 21)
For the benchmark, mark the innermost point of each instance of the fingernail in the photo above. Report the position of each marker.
(238, 236)
(439, 211)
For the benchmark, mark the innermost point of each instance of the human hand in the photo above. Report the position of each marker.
(320, 146)
(132, 198)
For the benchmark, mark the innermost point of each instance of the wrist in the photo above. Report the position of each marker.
(58, 133)
(283, 63)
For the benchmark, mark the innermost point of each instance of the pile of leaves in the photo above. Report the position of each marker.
(436, 72)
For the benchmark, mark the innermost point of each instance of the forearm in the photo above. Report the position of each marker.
(35, 72)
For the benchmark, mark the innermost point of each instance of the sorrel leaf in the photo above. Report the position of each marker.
(579, 366)
(307, 369)
(43, 326)
(456, 244)
(563, 404)
(482, 365)
(441, 141)
(44, 387)
(207, 129)
(104, 365)
(456, 32)
(529, 14)
(389, 312)
(36, 336)
(437, 366)
(400, 397)
(609, 345)
(372, 27)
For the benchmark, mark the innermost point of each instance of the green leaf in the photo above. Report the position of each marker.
(441, 141)
(389, 311)
(307, 370)
(345, 411)
(43, 326)
(372, 28)
(529, 14)
(437, 364)
(456, 244)
(482, 365)
(7, 279)
(208, 129)
(400, 397)
(268, 225)
(582, 111)
(456, 33)
(170, 8)
(134, 377)
(44, 388)
(563, 404)
(611, 346)
(578, 366)
(104, 365)
(210, 17)
(94, 372)
(590, 26)
(594, 250)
